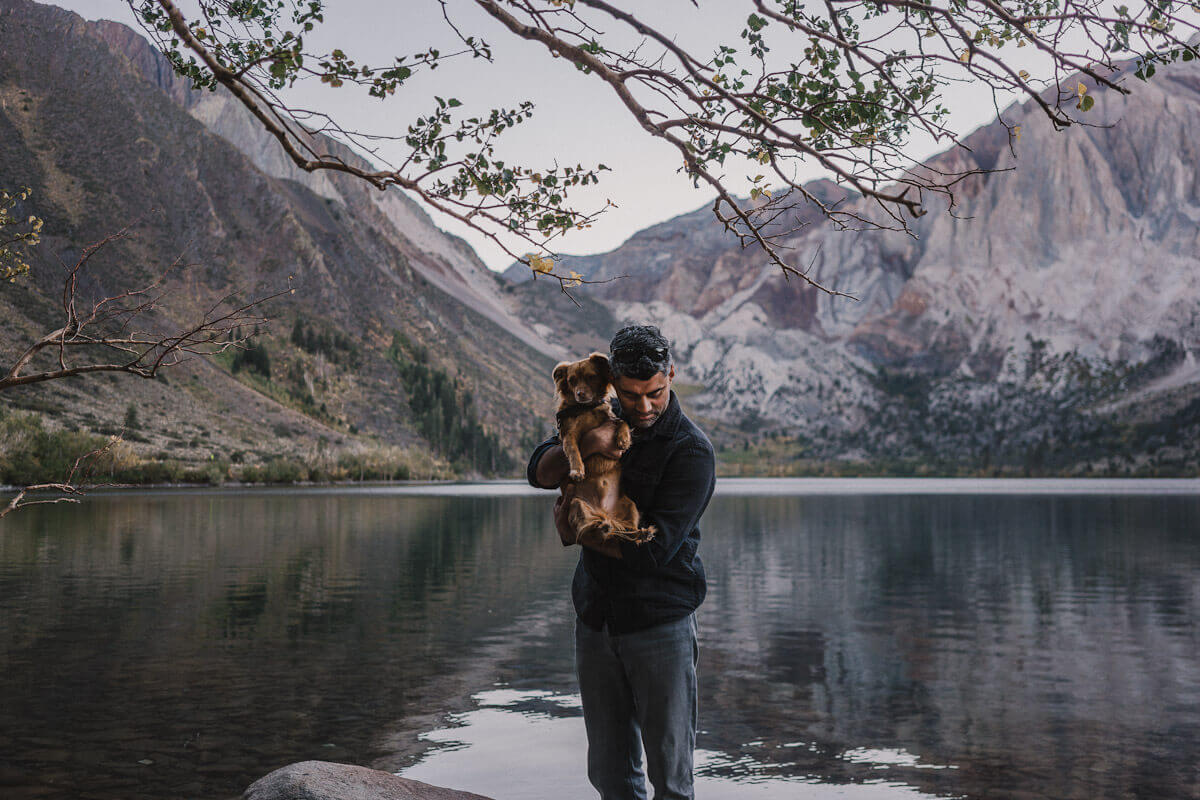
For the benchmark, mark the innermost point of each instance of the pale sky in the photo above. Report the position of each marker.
(577, 118)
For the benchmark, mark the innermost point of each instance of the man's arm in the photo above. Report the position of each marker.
(683, 493)
(594, 541)
(551, 468)
(548, 466)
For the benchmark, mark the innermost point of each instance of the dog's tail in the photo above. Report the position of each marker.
(639, 535)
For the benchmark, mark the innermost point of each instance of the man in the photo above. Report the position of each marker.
(635, 636)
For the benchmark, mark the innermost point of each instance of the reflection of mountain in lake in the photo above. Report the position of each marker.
(222, 635)
(981, 646)
(1039, 645)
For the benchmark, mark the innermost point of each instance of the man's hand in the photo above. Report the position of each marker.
(611, 438)
(566, 533)
(602, 439)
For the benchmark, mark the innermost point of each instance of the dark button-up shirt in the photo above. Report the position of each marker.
(669, 473)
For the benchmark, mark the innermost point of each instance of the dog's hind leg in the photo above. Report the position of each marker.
(589, 521)
(628, 524)
(635, 535)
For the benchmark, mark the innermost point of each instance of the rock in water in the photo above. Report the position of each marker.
(324, 780)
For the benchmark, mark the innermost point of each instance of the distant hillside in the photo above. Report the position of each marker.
(1048, 326)
(402, 319)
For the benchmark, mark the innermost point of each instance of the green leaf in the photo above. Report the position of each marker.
(1087, 102)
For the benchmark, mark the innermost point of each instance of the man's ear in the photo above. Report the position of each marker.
(560, 371)
(600, 362)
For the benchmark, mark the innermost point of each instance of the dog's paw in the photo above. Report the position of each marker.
(576, 475)
(624, 438)
(645, 534)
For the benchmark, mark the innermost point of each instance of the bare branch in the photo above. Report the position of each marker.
(101, 340)
(68, 487)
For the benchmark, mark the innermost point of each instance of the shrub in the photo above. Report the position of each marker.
(31, 454)
(284, 470)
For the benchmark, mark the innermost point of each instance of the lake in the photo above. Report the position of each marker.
(861, 639)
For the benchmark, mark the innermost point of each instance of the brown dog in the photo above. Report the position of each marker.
(598, 506)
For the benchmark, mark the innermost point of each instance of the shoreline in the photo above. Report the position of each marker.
(745, 486)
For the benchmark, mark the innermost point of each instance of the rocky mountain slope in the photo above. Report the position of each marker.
(1048, 325)
(399, 316)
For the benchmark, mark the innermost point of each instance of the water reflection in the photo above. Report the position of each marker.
(223, 636)
(1039, 644)
(182, 644)
(530, 744)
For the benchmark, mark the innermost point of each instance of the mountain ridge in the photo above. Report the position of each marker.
(1065, 283)
(102, 143)
(1049, 327)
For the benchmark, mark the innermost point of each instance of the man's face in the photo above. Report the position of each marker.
(643, 402)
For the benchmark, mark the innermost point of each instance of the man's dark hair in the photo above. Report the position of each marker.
(639, 352)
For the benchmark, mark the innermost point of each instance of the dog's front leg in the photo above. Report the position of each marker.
(570, 445)
(624, 437)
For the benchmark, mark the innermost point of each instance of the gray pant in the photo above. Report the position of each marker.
(639, 689)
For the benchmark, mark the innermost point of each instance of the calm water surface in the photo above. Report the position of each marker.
(894, 639)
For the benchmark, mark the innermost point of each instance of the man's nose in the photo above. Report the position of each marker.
(643, 405)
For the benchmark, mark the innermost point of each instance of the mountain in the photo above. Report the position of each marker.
(391, 320)
(1049, 324)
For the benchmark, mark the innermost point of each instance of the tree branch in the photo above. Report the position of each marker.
(104, 330)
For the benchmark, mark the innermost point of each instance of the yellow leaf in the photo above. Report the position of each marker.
(764, 157)
(966, 56)
(1081, 90)
(1024, 74)
(1017, 132)
(1020, 43)
(541, 264)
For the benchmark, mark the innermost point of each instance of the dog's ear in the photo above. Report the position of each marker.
(560, 371)
(600, 362)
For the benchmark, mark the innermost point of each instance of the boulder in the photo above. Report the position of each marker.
(325, 780)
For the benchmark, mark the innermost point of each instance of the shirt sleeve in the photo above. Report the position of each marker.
(683, 493)
(535, 457)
